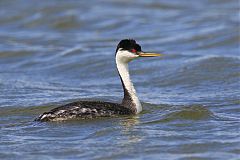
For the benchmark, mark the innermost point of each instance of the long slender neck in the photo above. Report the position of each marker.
(130, 99)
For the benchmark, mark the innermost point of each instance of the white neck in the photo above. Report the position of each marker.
(124, 73)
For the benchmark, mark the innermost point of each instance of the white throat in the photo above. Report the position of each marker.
(122, 66)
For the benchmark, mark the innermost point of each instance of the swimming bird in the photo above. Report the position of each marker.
(127, 50)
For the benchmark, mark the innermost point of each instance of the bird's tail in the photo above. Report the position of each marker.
(46, 116)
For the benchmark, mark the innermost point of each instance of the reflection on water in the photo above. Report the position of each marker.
(131, 136)
(55, 52)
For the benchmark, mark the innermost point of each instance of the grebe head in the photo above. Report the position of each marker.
(128, 50)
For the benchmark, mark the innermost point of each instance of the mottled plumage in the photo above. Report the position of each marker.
(84, 110)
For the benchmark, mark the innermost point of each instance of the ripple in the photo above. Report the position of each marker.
(190, 113)
(176, 113)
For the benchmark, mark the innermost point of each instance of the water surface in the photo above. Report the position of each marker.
(55, 52)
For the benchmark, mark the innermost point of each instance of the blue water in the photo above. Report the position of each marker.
(55, 52)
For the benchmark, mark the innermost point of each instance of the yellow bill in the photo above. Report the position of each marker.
(145, 54)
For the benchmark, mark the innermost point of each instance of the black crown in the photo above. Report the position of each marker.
(128, 44)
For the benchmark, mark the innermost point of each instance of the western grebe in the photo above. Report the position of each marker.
(126, 51)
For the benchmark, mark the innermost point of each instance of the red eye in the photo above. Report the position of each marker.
(134, 50)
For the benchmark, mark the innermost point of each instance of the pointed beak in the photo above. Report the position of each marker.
(145, 54)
